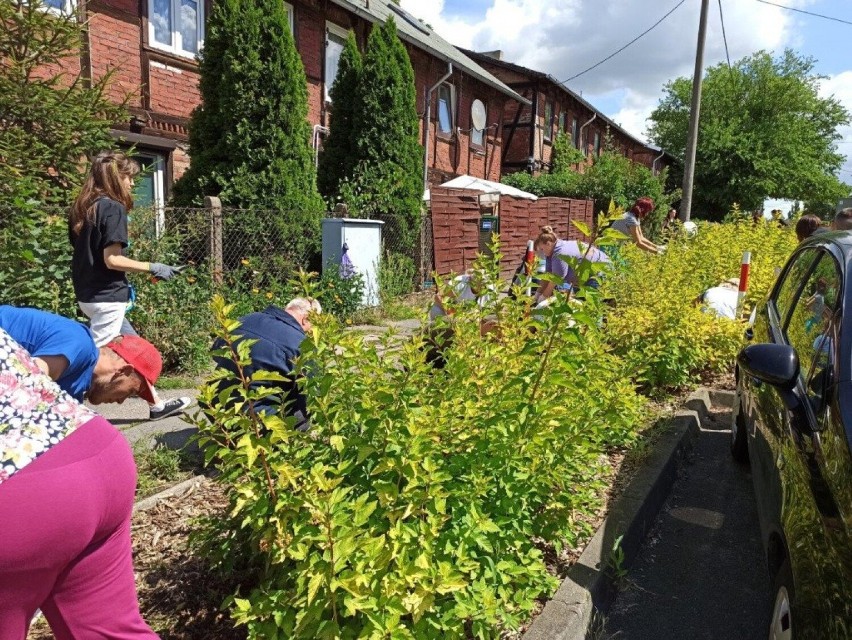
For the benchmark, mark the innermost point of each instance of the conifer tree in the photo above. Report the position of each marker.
(50, 116)
(338, 159)
(250, 138)
(385, 126)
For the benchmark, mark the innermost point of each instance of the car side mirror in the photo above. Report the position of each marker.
(774, 364)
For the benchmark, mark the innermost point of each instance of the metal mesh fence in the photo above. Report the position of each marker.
(226, 239)
(221, 243)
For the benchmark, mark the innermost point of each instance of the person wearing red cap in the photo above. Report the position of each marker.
(67, 486)
(631, 221)
(65, 350)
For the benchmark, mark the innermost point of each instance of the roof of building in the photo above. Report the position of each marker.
(422, 36)
(546, 77)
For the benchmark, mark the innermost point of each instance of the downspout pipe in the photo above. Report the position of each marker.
(318, 129)
(427, 121)
(654, 163)
(582, 140)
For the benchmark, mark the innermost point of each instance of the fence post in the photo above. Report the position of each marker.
(214, 214)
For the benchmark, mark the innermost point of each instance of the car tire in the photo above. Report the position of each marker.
(739, 442)
(781, 622)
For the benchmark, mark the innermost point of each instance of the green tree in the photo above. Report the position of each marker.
(51, 116)
(387, 179)
(250, 138)
(338, 159)
(765, 132)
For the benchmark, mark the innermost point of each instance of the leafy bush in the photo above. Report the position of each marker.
(35, 261)
(396, 276)
(340, 296)
(413, 506)
(664, 338)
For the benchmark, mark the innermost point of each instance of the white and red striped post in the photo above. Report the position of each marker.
(529, 261)
(745, 266)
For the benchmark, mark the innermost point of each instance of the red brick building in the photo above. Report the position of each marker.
(151, 47)
(530, 129)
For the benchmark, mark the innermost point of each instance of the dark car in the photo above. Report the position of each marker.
(793, 421)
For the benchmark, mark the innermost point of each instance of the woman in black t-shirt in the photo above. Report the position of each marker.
(97, 228)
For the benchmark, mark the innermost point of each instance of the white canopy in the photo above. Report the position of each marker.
(486, 186)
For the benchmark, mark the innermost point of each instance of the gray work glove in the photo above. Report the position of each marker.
(162, 271)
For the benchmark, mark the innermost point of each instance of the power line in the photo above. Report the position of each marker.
(615, 53)
(724, 35)
(810, 13)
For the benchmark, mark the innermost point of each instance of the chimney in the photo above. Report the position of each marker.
(497, 54)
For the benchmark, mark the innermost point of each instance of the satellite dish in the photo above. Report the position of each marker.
(478, 115)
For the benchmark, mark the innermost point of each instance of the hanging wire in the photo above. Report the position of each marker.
(810, 13)
(724, 35)
(615, 53)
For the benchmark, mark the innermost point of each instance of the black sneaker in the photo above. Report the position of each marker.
(169, 408)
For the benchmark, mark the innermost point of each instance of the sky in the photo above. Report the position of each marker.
(565, 37)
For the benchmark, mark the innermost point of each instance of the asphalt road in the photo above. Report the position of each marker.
(700, 573)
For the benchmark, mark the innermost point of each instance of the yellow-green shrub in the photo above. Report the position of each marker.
(665, 339)
(417, 505)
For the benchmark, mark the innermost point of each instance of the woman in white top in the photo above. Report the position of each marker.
(630, 224)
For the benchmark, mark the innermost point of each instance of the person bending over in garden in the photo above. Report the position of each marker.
(97, 226)
(67, 485)
(65, 350)
(278, 334)
(630, 224)
(552, 249)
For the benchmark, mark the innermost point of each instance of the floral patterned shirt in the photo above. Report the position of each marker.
(35, 414)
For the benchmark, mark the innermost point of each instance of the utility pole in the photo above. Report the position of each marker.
(695, 108)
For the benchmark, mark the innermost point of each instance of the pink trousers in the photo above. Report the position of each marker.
(65, 540)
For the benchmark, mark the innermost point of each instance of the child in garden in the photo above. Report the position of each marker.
(97, 227)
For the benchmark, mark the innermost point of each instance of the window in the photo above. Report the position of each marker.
(597, 143)
(65, 7)
(289, 9)
(793, 280)
(149, 193)
(561, 128)
(446, 108)
(548, 121)
(812, 328)
(335, 39)
(575, 132)
(176, 26)
(477, 136)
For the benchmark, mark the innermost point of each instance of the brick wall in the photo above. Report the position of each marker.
(455, 226)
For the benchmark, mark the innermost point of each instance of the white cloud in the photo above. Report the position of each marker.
(567, 37)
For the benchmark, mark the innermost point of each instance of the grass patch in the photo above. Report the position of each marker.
(161, 467)
(407, 307)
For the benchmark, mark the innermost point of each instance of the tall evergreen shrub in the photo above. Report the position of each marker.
(338, 157)
(50, 115)
(250, 138)
(51, 118)
(387, 180)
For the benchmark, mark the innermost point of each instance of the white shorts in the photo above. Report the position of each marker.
(105, 319)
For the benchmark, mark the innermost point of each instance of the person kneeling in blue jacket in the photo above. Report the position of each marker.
(278, 334)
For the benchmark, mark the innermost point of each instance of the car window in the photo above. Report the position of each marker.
(793, 278)
(812, 327)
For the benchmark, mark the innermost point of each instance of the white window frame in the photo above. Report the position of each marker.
(159, 175)
(176, 46)
(68, 8)
(548, 122)
(452, 89)
(343, 34)
(480, 131)
(290, 17)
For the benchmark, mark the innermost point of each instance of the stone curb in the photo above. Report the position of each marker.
(175, 490)
(589, 586)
